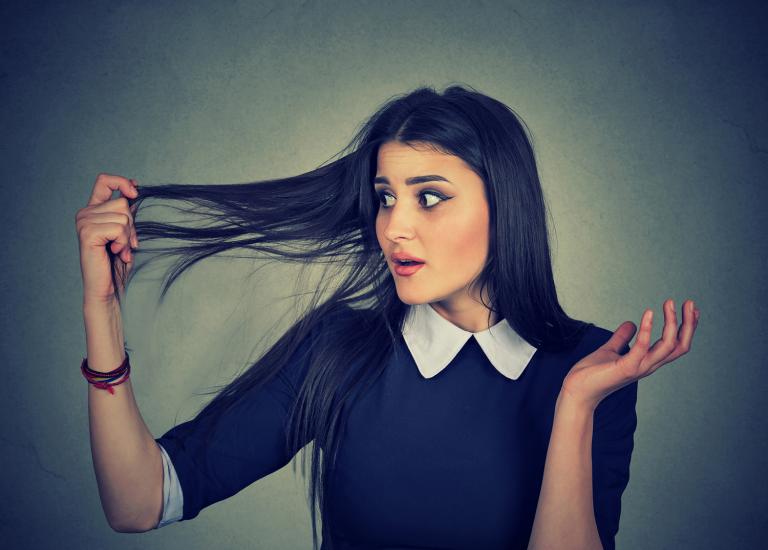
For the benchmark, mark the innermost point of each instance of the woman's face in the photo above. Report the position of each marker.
(444, 223)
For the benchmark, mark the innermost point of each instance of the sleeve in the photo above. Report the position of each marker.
(612, 443)
(248, 443)
(173, 498)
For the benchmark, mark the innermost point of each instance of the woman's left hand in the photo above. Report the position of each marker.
(604, 371)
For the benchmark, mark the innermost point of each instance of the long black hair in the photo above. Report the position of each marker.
(327, 216)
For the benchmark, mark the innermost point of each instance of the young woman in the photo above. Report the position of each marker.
(449, 399)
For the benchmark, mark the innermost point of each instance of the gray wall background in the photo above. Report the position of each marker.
(649, 122)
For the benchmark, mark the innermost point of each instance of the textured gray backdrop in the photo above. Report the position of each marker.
(649, 122)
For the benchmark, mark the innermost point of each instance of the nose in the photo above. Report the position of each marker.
(398, 224)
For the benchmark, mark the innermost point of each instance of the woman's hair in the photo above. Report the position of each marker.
(327, 216)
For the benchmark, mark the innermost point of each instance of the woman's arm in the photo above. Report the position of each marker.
(126, 459)
(565, 516)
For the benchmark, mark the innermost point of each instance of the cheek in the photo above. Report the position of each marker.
(469, 245)
(468, 238)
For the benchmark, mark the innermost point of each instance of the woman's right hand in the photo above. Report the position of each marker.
(105, 221)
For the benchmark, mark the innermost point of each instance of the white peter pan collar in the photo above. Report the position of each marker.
(434, 341)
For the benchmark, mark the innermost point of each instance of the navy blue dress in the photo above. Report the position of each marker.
(451, 462)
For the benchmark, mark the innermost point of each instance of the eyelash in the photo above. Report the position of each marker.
(440, 196)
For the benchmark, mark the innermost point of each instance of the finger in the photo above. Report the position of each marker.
(121, 212)
(690, 322)
(685, 334)
(630, 361)
(106, 184)
(620, 337)
(119, 244)
(658, 353)
(112, 234)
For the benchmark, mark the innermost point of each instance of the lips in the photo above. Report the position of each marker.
(407, 270)
(399, 257)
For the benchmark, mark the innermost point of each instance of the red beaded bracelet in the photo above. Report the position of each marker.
(105, 380)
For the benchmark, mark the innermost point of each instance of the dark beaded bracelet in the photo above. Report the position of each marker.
(105, 380)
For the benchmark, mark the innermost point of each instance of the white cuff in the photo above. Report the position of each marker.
(173, 498)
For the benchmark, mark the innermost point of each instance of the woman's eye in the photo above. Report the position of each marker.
(384, 194)
(429, 194)
(382, 197)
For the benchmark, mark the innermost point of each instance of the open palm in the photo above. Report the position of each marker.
(605, 370)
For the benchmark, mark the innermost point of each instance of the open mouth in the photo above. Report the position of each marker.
(406, 269)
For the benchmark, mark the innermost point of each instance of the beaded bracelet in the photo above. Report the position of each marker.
(105, 380)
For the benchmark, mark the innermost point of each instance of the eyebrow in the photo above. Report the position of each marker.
(414, 180)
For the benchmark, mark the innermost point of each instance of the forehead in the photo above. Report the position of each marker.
(397, 159)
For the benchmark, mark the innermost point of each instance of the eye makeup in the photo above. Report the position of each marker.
(427, 192)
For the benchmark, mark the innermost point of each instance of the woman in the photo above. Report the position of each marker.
(452, 402)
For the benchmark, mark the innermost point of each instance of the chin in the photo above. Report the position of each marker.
(410, 298)
(416, 298)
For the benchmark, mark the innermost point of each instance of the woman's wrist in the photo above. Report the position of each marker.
(104, 336)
